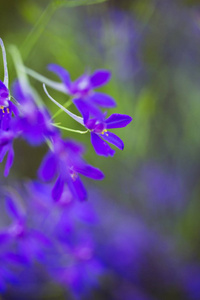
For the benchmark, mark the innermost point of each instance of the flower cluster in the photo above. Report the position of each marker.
(39, 209)
(75, 244)
(32, 121)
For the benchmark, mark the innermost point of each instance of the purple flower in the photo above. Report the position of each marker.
(4, 94)
(82, 90)
(34, 123)
(100, 134)
(30, 242)
(7, 134)
(65, 162)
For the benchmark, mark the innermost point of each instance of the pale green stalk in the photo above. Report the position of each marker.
(67, 104)
(4, 63)
(69, 129)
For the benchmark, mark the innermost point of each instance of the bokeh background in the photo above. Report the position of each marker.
(149, 202)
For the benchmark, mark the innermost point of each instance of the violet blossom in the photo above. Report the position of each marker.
(82, 90)
(65, 162)
(30, 242)
(100, 134)
(7, 134)
(33, 122)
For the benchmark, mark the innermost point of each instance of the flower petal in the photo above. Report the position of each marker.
(62, 73)
(113, 139)
(4, 236)
(3, 151)
(118, 121)
(58, 189)
(102, 100)
(9, 161)
(79, 189)
(90, 171)
(48, 168)
(17, 92)
(81, 86)
(4, 94)
(6, 137)
(101, 147)
(74, 146)
(99, 78)
(13, 209)
(83, 109)
(86, 108)
(13, 108)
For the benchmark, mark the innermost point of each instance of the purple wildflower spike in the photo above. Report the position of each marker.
(65, 162)
(100, 135)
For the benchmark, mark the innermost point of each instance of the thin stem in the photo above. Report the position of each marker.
(75, 117)
(4, 63)
(69, 129)
(67, 104)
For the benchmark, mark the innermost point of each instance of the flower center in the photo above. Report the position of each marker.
(104, 132)
(73, 174)
(4, 109)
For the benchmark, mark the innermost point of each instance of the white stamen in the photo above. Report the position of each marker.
(83, 84)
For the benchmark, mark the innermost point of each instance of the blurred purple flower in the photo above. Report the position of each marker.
(7, 134)
(33, 122)
(65, 162)
(30, 242)
(82, 90)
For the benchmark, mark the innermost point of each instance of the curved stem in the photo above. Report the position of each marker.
(4, 63)
(75, 117)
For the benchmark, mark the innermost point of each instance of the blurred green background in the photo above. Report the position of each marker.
(153, 51)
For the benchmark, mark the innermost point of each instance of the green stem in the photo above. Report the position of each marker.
(69, 129)
(67, 104)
